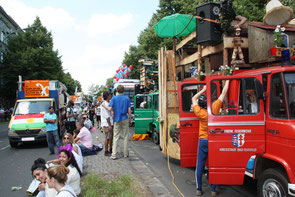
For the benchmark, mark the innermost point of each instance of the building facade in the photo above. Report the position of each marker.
(7, 27)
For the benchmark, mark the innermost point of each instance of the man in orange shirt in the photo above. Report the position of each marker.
(199, 102)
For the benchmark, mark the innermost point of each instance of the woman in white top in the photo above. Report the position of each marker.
(67, 159)
(56, 178)
(39, 170)
(69, 139)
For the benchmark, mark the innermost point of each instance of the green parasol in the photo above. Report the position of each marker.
(175, 25)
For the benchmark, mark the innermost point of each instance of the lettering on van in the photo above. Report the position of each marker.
(273, 131)
(237, 149)
(238, 131)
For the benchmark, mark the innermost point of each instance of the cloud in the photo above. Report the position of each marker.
(52, 18)
(96, 64)
(108, 23)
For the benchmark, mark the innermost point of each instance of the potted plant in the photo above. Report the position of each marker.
(278, 39)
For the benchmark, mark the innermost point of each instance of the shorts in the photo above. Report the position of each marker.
(98, 118)
(108, 134)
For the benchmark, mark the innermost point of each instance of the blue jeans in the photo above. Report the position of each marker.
(52, 136)
(201, 159)
(86, 151)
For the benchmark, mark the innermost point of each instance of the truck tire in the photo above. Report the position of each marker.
(13, 144)
(155, 136)
(273, 182)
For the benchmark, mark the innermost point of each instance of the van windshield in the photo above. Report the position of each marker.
(290, 90)
(31, 107)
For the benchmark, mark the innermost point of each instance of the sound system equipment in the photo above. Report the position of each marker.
(208, 33)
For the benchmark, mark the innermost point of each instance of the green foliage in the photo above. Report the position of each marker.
(31, 55)
(150, 43)
(94, 185)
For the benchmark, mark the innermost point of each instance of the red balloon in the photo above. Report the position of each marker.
(130, 67)
(117, 79)
(108, 85)
(123, 69)
(117, 71)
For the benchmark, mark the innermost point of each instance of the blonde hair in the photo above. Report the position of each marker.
(70, 136)
(58, 172)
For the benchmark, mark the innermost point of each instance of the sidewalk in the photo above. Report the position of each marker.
(107, 167)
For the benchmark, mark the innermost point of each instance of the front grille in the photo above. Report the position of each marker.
(27, 131)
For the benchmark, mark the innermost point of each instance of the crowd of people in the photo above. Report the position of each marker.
(5, 114)
(61, 177)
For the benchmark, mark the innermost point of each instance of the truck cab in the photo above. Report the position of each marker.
(146, 115)
(252, 135)
(27, 120)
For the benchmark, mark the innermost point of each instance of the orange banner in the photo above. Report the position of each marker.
(37, 88)
(75, 98)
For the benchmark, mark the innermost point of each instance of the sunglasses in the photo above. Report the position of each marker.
(66, 138)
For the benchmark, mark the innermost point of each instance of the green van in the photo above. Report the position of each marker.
(146, 115)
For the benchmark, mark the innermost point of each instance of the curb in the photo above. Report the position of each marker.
(146, 175)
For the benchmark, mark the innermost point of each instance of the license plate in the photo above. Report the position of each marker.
(25, 139)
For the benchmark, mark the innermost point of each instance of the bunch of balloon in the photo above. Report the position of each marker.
(122, 72)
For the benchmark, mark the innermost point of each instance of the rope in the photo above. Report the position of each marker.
(207, 19)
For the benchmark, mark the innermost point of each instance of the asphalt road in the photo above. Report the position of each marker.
(15, 165)
(184, 177)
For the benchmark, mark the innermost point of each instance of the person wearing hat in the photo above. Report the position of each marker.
(199, 102)
(51, 130)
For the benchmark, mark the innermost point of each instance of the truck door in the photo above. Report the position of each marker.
(143, 113)
(189, 123)
(238, 131)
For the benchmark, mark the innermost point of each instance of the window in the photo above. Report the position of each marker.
(290, 90)
(241, 98)
(187, 92)
(143, 102)
(1, 57)
(2, 36)
(156, 102)
(277, 97)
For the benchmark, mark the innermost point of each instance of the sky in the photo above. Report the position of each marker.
(90, 35)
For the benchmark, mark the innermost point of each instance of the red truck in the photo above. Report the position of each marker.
(254, 133)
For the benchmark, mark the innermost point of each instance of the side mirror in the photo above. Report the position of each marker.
(259, 89)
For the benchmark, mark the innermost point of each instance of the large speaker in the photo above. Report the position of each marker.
(208, 33)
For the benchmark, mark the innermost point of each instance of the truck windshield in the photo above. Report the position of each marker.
(290, 91)
(130, 93)
(31, 107)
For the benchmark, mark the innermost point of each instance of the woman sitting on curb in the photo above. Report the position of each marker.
(56, 178)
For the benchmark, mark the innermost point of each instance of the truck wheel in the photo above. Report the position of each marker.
(13, 144)
(155, 136)
(272, 183)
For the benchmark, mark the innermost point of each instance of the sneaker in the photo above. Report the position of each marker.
(113, 157)
(107, 153)
(213, 193)
(199, 193)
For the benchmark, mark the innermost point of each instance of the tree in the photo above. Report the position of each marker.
(31, 55)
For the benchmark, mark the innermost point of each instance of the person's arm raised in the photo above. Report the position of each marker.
(197, 96)
(224, 91)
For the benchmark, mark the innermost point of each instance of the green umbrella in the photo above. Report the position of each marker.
(175, 25)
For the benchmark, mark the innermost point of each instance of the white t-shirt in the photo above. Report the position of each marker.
(74, 179)
(105, 114)
(66, 191)
(98, 110)
(71, 111)
(78, 157)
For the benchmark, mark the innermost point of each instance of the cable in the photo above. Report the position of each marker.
(168, 163)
